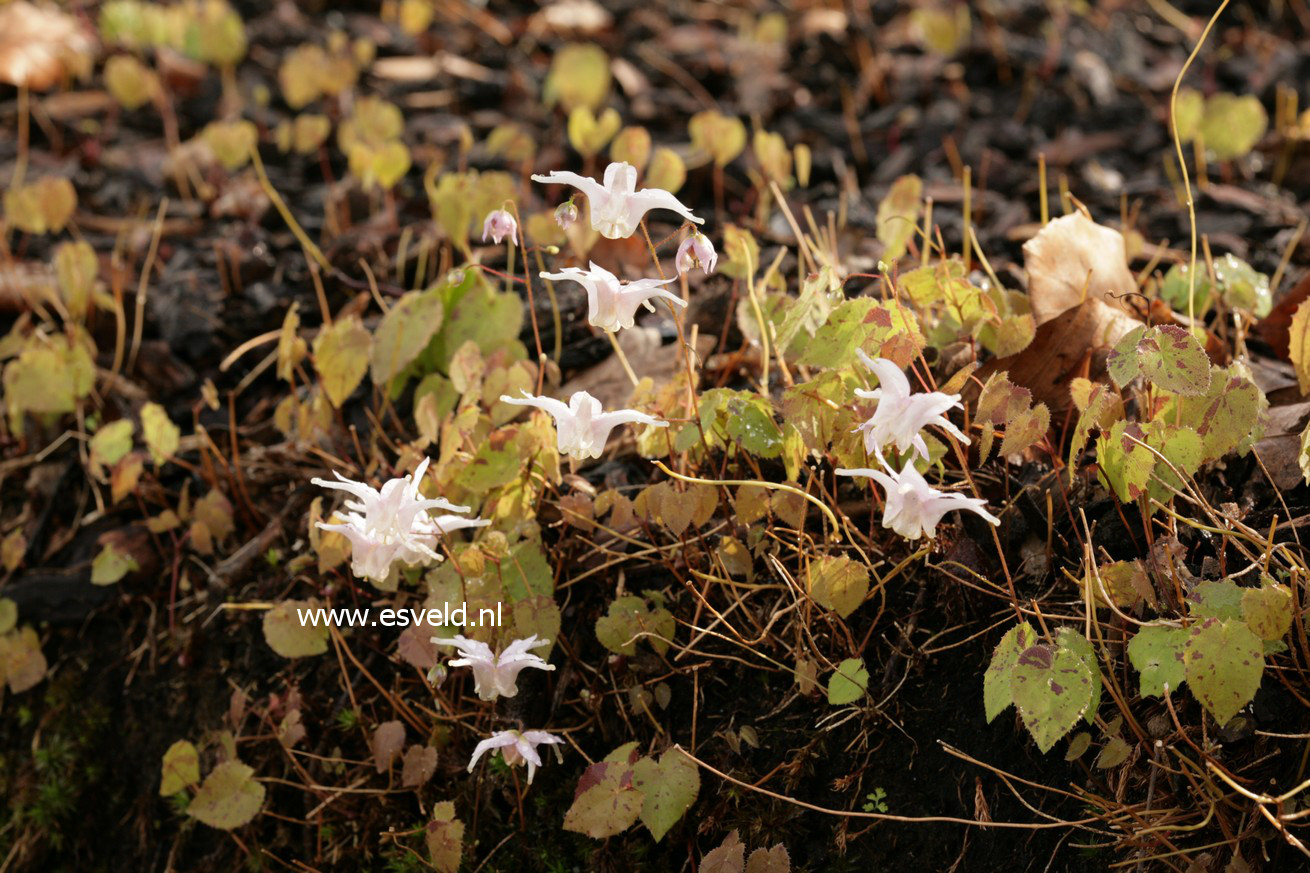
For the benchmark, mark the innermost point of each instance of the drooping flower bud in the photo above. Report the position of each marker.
(566, 214)
(696, 251)
(499, 224)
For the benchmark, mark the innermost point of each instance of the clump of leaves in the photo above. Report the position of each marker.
(615, 792)
(42, 206)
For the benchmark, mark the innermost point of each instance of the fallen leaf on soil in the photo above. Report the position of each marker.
(1074, 343)
(610, 385)
(1074, 259)
(1280, 450)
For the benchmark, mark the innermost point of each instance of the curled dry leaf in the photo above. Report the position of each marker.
(41, 46)
(1074, 259)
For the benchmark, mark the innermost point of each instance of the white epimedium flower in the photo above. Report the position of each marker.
(499, 224)
(496, 674)
(611, 304)
(517, 747)
(583, 426)
(393, 524)
(913, 507)
(900, 415)
(617, 207)
(696, 251)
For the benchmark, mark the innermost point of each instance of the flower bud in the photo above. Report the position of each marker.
(566, 214)
(696, 251)
(499, 224)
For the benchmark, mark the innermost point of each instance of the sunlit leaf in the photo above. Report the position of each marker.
(838, 583)
(1224, 662)
(1268, 610)
(22, 663)
(898, 216)
(722, 137)
(669, 788)
(849, 683)
(1171, 358)
(231, 142)
(589, 133)
(162, 436)
(404, 333)
(76, 266)
(111, 565)
(997, 685)
(1052, 689)
(631, 146)
(666, 170)
(287, 635)
(129, 81)
(229, 797)
(579, 76)
(1298, 349)
(1232, 125)
(180, 768)
(629, 620)
(606, 801)
(341, 356)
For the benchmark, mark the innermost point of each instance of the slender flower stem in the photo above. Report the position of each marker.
(554, 306)
(532, 301)
(759, 319)
(509, 265)
(623, 359)
(693, 403)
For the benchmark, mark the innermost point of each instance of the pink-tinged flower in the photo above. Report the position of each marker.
(617, 207)
(913, 507)
(583, 427)
(392, 525)
(611, 304)
(499, 224)
(566, 214)
(696, 251)
(517, 747)
(900, 415)
(496, 675)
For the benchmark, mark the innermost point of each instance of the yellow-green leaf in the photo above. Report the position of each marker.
(111, 565)
(341, 356)
(1299, 345)
(838, 583)
(161, 435)
(898, 216)
(181, 768)
(287, 635)
(404, 333)
(229, 797)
